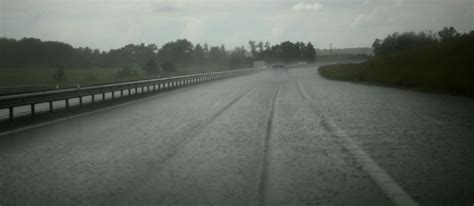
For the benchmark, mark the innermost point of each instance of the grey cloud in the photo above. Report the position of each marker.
(160, 7)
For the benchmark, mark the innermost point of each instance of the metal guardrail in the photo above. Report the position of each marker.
(10, 102)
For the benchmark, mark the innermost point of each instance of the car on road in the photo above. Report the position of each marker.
(279, 67)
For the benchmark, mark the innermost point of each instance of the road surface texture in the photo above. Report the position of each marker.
(272, 138)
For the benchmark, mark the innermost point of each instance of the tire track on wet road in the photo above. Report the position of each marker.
(156, 167)
(264, 173)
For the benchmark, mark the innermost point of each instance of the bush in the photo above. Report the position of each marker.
(444, 67)
(126, 72)
(151, 68)
(168, 67)
(59, 75)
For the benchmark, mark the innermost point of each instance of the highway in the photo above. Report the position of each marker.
(272, 138)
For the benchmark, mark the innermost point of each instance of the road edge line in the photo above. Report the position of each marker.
(392, 189)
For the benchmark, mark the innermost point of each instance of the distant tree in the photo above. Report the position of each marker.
(222, 50)
(310, 53)
(151, 67)
(260, 46)
(376, 46)
(253, 47)
(267, 45)
(205, 48)
(217, 54)
(399, 42)
(288, 51)
(198, 53)
(178, 53)
(238, 59)
(59, 75)
(447, 34)
(168, 67)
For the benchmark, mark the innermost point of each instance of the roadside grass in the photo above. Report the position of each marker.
(445, 67)
(43, 77)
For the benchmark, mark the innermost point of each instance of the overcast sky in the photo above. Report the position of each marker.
(107, 24)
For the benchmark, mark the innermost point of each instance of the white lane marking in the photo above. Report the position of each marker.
(380, 177)
(93, 112)
(391, 188)
(303, 92)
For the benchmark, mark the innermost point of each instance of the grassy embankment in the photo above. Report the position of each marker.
(443, 67)
(43, 77)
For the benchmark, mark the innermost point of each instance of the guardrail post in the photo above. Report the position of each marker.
(93, 98)
(32, 109)
(10, 111)
(103, 96)
(113, 94)
(136, 90)
(121, 92)
(80, 100)
(50, 106)
(67, 103)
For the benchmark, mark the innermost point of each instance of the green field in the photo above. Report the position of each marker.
(19, 77)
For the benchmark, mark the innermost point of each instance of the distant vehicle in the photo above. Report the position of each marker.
(259, 64)
(279, 67)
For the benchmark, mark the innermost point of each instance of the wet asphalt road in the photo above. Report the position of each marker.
(261, 139)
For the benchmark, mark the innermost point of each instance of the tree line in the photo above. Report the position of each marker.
(286, 51)
(397, 42)
(176, 56)
(433, 62)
